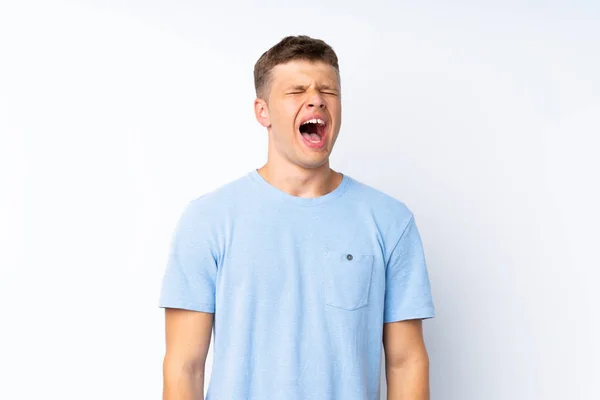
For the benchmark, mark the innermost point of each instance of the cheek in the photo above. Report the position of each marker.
(292, 107)
(335, 106)
(285, 110)
(288, 111)
(283, 117)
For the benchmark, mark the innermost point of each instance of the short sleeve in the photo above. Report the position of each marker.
(408, 291)
(189, 278)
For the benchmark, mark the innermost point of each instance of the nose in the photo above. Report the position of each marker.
(316, 100)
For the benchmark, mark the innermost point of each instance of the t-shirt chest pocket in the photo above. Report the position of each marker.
(347, 279)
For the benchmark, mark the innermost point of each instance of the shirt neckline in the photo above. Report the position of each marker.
(300, 201)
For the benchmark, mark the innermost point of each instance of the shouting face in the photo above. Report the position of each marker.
(302, 112)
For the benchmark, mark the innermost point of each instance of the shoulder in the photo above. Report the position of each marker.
(392, 212)
(380, 201)
(217, 202)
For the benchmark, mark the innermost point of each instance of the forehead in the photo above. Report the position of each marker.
(303, 72)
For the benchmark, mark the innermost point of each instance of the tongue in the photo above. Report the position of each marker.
(313, 137)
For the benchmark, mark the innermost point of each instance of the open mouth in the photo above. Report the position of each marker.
(313, 130)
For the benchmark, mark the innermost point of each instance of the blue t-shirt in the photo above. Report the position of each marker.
(300, 287)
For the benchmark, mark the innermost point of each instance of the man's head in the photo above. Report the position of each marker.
(298, 100)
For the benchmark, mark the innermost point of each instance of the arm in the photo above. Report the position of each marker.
(406, 360)
(188, 336)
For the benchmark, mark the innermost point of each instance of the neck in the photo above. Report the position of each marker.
(301, 182)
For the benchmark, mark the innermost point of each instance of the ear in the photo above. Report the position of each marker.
(261, 111)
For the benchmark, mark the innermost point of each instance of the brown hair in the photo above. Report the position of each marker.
(291, 48)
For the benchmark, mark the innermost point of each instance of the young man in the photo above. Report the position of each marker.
(301, 271)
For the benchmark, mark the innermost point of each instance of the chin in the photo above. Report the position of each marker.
(313, 163)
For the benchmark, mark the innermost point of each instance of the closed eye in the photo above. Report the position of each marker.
(330, 93)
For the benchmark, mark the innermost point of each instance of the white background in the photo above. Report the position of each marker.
(482, 118)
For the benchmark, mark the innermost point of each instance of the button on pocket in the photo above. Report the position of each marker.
(347, 279)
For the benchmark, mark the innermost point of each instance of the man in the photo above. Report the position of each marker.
(301, 271)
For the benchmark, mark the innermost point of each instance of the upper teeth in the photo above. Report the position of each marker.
(314, 121)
